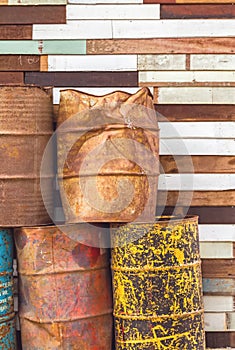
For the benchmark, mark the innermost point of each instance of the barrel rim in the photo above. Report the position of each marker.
(167, 220)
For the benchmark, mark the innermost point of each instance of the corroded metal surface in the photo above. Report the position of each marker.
(102, 143)
(65, 291)
(157, 286)
(26, 126)
(8, 333)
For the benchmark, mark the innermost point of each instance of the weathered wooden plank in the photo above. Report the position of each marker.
(11, 78)
(172, 28)
(19, 63)
(83, 29)
(83, 79)
(19, 47)
(218, 130)
(32, 14)
(194, 95)
(34, 2)
(100, 91)
(15, 32)
(94, 2)
(216, 250)
(187, 1)
(161, 46)
(200, 112)
(197, 11)
(212, 62)
(161, 62)
(217, 233)
(197, 164)
(218, 268)
(197, 182)
(216, 321)
(92, 63)
(102, 12)
(218, 286)
(220, 339)
(207, 215)
(196, 198)
(197, 147)
(220, 303)
(171, 78)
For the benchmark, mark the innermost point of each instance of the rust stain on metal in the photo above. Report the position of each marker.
(66, 302)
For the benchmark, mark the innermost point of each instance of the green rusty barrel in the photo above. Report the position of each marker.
(157, 285)
(65, 290)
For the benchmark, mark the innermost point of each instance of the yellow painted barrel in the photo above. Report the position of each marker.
(157, 285)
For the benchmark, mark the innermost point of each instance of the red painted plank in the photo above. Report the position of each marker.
(48, 14)
(83, 79)
(15, 32)
(197, 11)
(7, 78)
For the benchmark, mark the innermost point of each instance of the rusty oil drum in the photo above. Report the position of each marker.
(157, 286)
(7, 315)
(26, 126)
(65, 290)
(103, 146)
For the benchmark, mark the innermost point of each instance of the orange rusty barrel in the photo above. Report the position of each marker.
(25, 128)
(158, 285)
(108, 151)
(65, 290)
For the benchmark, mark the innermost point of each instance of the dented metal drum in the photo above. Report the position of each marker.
(108, 153)
(7, 315)
(25, 128)
(157, 284)
(65, 290)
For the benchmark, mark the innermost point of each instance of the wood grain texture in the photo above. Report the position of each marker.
(217, 233)
(83, 79)
(218, 268)
(32, 14)
(197, 11)
(196, 198)
(207, 215)
(212, 62)
(19, 63)
(162, 46)
(185, 112)
(15, 32)
(161, 62)
(220, 339)
(200, 164)
(218, 286)
(218, 303)
(187, 1)
(216, 250)
(11, 78)
(33, 2)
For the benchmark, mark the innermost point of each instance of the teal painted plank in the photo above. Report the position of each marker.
(66, 47)
(218, 286)
(45, 47)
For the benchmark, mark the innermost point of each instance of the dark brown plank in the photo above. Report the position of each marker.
(164, 46)
(15, 32)
(48, 14)
(197, 11)
(218, 268)
(197, 198)
(198, 113)
(83, 79)
(207, 215)
(218, 339)
(11, 78)
(19, 62)
(200, 164)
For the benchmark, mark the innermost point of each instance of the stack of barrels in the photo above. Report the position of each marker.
(107, 153)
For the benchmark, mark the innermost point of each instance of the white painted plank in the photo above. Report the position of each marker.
(197, 182)
(74, 30)
(161, 62)
(215, 321)
(75, 12)
(218, 130)
(92, 63)
(218, 303)
(209, 62)
(94, 91)
(197, 147)
(231, 320)
(223, 233)
(216, 250)
(196, 95)
(173, 28)
(94, 2)
(187, 76)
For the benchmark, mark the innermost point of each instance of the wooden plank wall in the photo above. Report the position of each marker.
(184, 51)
